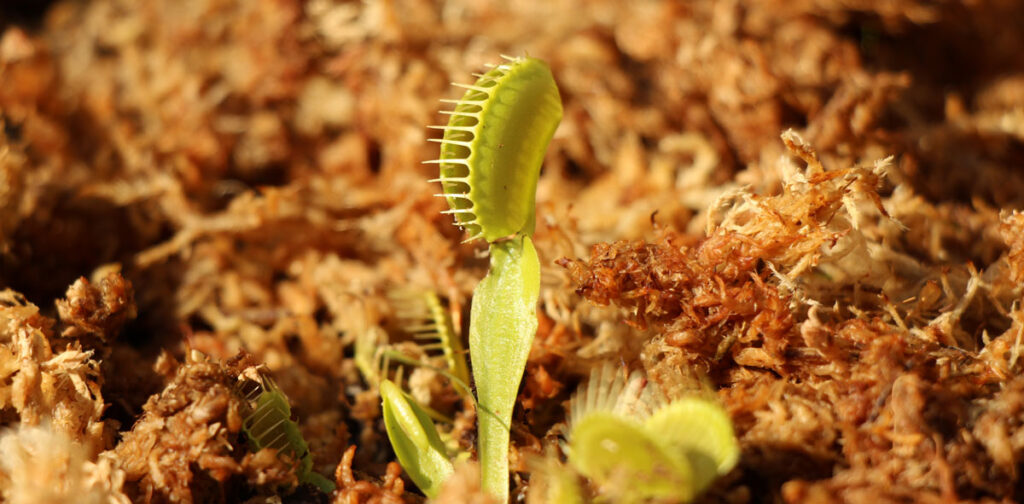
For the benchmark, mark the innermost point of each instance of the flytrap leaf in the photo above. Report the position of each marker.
(422, 314)
(490, 159)
(269, 424)
(415, 440)
(552, 482)
(493, 147)
(503, 321)
(636, 446)
(629, 462)
(703, 431)
(434, 345)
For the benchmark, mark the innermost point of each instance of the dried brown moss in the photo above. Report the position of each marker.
(40, 382)
(708, 298)
(355, 491)
(835, 391)
(95, 314)
(186, 446)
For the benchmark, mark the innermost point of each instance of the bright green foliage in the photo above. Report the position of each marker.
(490, 158)
(435, 342)
(503, 321)
(447, 340)
(415, 440)
(628, 461)
(636, 446)
(422, 314)
(269, 424)
(493, 147)
(702, 430)
(368, 354)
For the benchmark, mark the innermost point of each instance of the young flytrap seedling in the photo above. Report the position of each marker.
(490, 160)
(267, 422)
(414, 437)
(415, 440)
(421, 314)
(637, 446)
(434, 345)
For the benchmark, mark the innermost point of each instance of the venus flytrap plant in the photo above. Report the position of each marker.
(268, 423)
(637, 446)
(625, 436)
(703, 431)
(503, 321)
(434, 344)
(368, 345)
(490, 160)
(489, 164)
(421, 314)
(609, 445)
(413, 435)
(493, 146)
(417, 443)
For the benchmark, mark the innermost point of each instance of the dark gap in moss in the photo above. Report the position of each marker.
(27, 14)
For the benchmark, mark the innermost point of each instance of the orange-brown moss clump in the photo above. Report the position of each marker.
(351, 490)
(50, 396)
(834, 388)
(49, 379)
(186, 445)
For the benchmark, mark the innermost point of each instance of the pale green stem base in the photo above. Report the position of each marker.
(503, 321)
(492, 448)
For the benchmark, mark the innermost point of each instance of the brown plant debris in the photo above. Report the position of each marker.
(96, 311)
(357, 491)
(40, 383)
(187, 440)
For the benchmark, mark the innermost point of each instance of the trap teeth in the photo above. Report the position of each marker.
(460, 113)
(446, 161)
(463, 101)
(501, 167)
(473, 87)
(449, 179)
(453, 195)
(463, 143)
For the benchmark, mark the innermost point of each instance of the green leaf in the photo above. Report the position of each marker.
(503, 321)
(493, 147)
(553, 482)
(414, 439)
(629, 462)
(269, 425)
(701, 429)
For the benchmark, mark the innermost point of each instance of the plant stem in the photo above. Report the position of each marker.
(503, 322)
(492, 448)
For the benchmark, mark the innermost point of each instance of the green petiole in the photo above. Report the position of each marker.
(503, 321)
